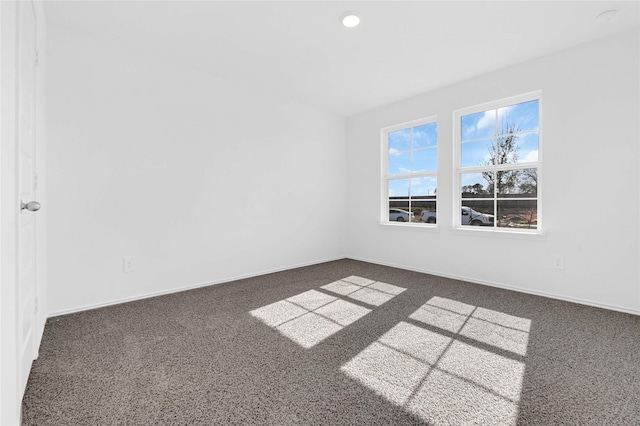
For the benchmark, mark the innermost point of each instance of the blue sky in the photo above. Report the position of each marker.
(422, 141)
(415, 149)
(479, 131)
(418, 186)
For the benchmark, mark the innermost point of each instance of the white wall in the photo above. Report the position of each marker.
(589, 181)
(200, 179)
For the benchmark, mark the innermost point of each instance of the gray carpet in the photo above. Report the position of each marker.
(340, 343)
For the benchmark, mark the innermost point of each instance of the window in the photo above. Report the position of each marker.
(410, 164)
(498, 164)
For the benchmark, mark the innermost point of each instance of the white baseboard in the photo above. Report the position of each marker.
(188, 287)
(505, 286)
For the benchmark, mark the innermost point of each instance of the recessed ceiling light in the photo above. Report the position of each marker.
(350, 19)
(607, 15)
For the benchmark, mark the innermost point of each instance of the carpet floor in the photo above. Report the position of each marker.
(339, 343)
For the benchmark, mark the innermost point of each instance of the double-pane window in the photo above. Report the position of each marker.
(410, 175)
(499, 164)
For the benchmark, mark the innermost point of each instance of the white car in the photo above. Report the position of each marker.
(472, 217)
(427, 216)
(399, 215)
(468, 217)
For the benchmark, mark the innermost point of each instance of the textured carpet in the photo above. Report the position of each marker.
(339, 343)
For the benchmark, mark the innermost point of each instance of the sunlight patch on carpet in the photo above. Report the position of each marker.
(470, 372)
(371, 292)
(309, 318)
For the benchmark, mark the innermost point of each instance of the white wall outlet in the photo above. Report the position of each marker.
(128, 264)
(558, 262)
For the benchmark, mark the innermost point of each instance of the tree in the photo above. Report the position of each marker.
(476, 188)
(505, 151)
(519, 181)
(528, 181)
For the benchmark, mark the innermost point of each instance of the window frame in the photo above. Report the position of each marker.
(458, 170)
(386, 177)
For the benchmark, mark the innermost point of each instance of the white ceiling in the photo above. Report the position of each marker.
(299, 49)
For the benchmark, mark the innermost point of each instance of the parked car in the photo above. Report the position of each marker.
(427, 216)
(468, 217)
(399, 215)
(472, 217)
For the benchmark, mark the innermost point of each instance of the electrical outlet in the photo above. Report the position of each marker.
(128, 264)
(558, 262)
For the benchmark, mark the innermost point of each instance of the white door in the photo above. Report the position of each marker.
(27, 296)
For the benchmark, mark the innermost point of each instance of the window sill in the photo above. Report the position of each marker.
(494, 233)
(410, 226)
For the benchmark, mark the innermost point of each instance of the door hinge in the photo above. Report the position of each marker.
(35, 181)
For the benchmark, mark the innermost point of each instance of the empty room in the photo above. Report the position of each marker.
(320, 213)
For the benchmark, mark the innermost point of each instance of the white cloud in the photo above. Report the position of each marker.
(531, 156)
(503, 111)
(394, 151)
(422, 138)
(487, 119)
(468, 130)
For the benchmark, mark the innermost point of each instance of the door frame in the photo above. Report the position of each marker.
(11, 390)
